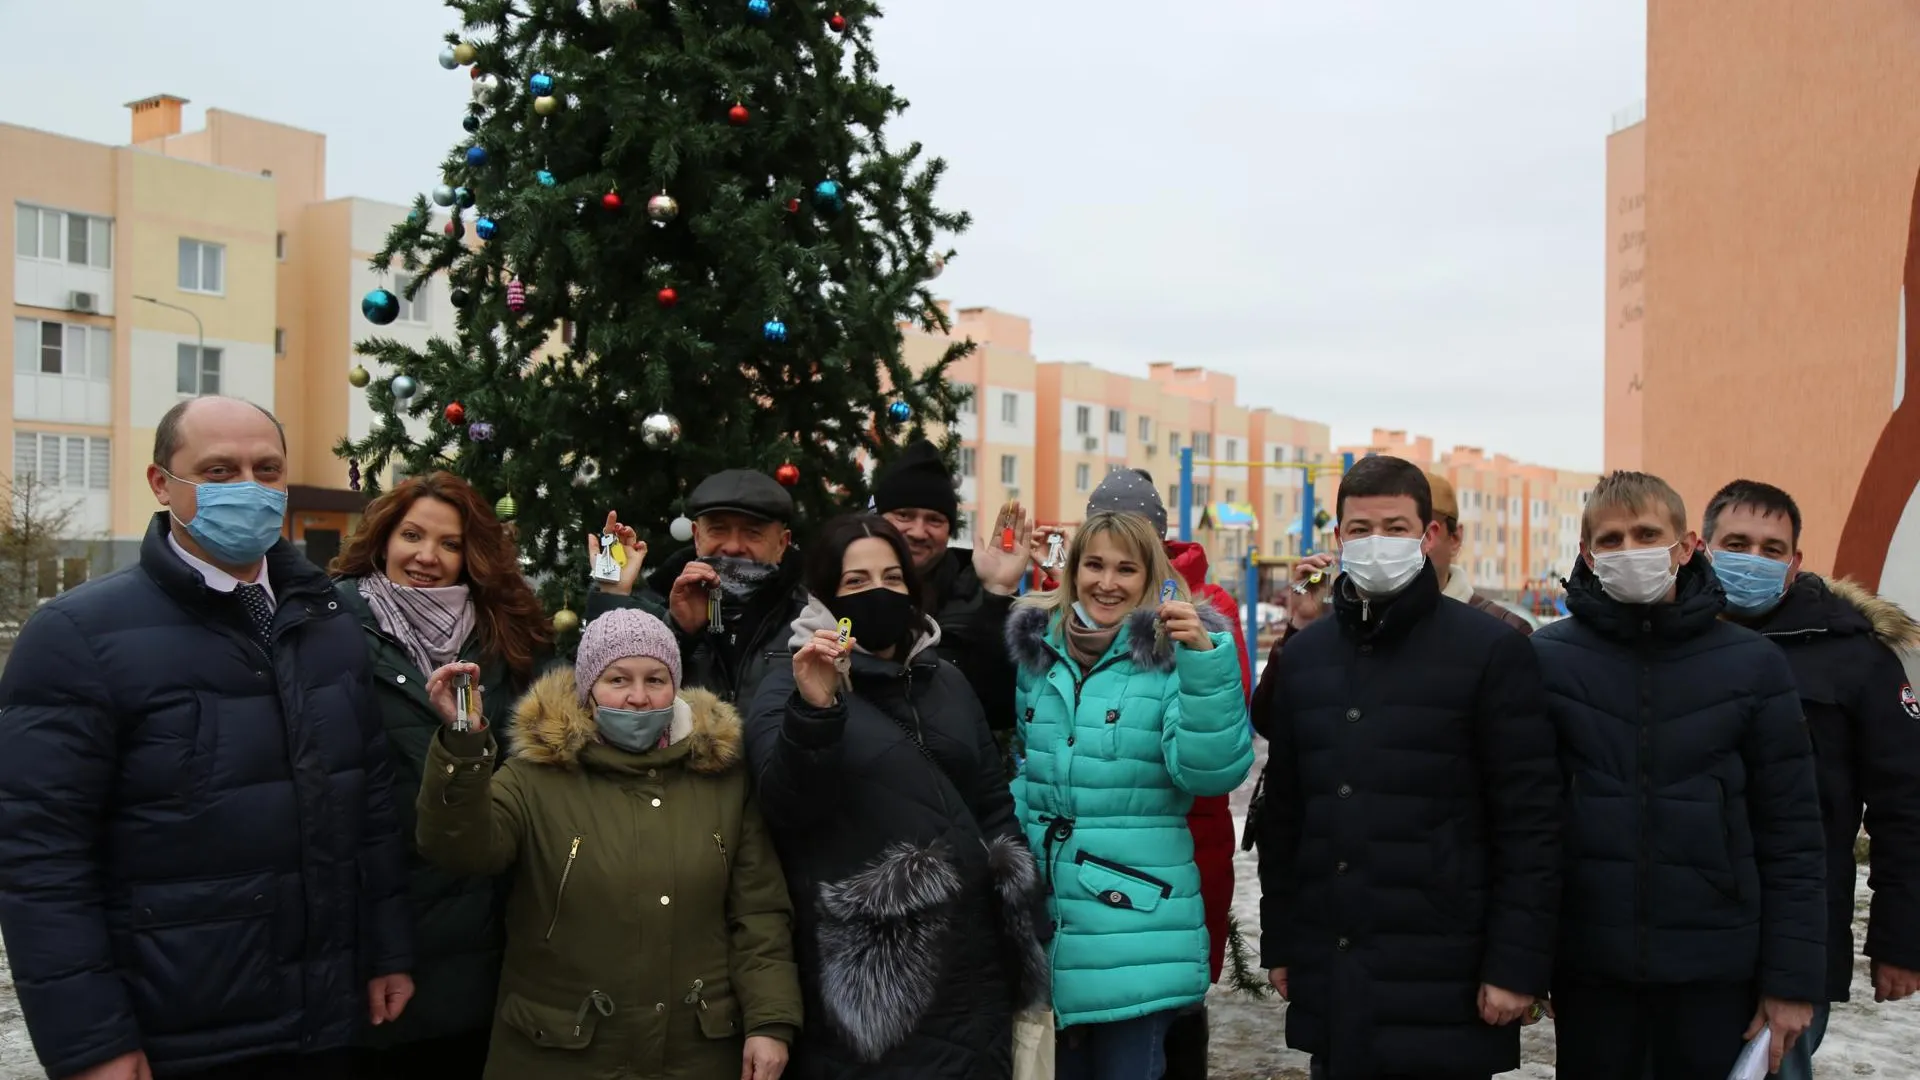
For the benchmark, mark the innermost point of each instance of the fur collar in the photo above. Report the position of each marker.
(1033, 637)
(551, 727)
(1891, 625)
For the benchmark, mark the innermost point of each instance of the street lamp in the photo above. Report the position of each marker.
(200, 357)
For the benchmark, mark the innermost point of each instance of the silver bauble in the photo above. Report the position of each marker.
(663, 208)
(486, 89)
(659, 431)
(447, 59)
(443, 195)
(404, 388)
(586, 472)
(681, 529)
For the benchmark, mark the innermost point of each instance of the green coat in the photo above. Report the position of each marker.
(456, 919)
(648, 923)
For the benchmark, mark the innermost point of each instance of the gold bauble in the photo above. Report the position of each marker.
(359, 376)
(565, 621)
(545, 106)
(463, 53)
(506, 508)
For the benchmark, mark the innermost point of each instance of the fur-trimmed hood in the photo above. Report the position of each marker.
(1892, 625)
(1032, 634)
(550, 726)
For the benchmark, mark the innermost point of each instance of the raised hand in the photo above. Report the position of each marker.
(1000, 570)
(636, 554)
(816, 668)
(687, 602)
(1182, 623)
(440, 693)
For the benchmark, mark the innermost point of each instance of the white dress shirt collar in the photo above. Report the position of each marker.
(217, 579)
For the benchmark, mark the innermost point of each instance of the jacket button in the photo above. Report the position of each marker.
(450, 769)
(665, 900)
(333, 605)
(400, 678)
(1112, 715)
(1069, 740)
(660, 1006)
(1344, 790)
(656, 802)
(1340, 867)
(653, 772)
(1342, 944)
(1353, 714)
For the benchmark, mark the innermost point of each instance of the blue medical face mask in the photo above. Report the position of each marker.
(1753, 583)
(634, 730)
(235, 522)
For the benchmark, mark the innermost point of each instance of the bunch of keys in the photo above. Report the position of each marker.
(463, 702)
(714, 590)
(846, 634)
(612, 559)
(1007, 515)
(1056, 551)
(1300, 587)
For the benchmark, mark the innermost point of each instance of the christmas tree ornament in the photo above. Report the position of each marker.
(900, 412)
(358, 377)
(565, 621)
(681, 529)
(443, 195)
(663, 208)
(480, 431)
(516, 296)
(506, 508)
(453, 227)
(463, 198)
(611, 200)
(485, 228)
(617, 5)
(353, 475)
(460, 297)
(775, 331)
(476, 156)
(668, 297)
(837, 23)
(938, 265)
(586, 472)
(544, 177)
(470, 122)
(659, 431)
(456, 413)
(793, 206)
(827, 197)
(541, 84)
(463, 53)
(788, 474)
(447, 58)
(403, 388)
(486, 89)
(738, 115)
(759, 9)
(380, 307)
(546, 106)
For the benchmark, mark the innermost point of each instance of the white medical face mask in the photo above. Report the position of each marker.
(1636, 575)
(1382, 565)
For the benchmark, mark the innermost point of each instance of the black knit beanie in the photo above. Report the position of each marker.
(917, 480)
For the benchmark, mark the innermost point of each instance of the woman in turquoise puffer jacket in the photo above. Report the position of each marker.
(1129, 704)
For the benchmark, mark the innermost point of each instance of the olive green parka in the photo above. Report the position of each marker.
(648, 922)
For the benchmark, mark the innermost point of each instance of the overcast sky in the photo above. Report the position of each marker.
(1374, 212)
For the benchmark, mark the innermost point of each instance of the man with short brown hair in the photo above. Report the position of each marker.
(1454, 580)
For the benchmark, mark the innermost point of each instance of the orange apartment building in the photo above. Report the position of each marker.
(1762, 247)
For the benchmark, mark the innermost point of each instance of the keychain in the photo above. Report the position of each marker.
(713, 606)
(1300, 587)
(1168, 590)
(1056, 551)
(611, 560)
(846, 633)
(463, 702)
(1007, 515)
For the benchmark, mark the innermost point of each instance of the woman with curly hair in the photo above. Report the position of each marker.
(435, 578)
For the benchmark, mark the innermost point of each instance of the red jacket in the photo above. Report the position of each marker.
(1211, 819)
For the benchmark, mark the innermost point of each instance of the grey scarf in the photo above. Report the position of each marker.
(432, 625)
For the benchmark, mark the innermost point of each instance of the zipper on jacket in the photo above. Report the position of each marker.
(572, 854)
(721, 843)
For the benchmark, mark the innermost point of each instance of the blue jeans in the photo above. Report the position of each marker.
(1124, 1050)
(1798, 1064)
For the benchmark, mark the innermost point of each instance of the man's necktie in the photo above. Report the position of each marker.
(259, 610)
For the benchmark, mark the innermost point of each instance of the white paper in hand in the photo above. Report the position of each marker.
(1752, 1062)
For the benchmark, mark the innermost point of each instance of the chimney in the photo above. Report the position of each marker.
(156, 117)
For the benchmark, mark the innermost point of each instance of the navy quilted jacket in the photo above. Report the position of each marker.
(198, 850)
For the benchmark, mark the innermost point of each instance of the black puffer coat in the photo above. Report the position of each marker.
(198, 851)
(1694, 849)
(1409, 837)
(1840, 639)
(973, 633)
(915, 898)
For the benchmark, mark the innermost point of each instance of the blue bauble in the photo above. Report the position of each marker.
(775, 330)
(827, 197)
(471, 123)
(476, 156)
(485, 228)
(541, 85)
(463, 198)
(759, 9)
(380, 307)
(545, 178)
(900, 412)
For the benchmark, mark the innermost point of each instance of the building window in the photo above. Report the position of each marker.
(1203, 444)
(1233, 454)
(414, 310)
(203, 267)
(1082, 478)
(1201, 493)
(198, 370)
(1146, 429)
(280, 246)
(1009, 469)
(68, 462)
(1173, 443)
(967, 524)
(51, 348)
(965, 392)
(1082, 419)
(1173, 495)
(280, 344)
(56, 236)
(1116, 422)
(966, 463)
(1230, 498)
(1009, 408)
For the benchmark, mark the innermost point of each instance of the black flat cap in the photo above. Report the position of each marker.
(742, 491)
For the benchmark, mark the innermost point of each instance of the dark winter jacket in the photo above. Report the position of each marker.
(648, 930)
(916, 900)
(1410, 846)
(730, 665)
(198, 851)
(1694, 850)
(973, 633)
(456, 920)
(1841, 641)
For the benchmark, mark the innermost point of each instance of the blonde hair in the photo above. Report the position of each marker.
(1632, 492)
(1134, 535)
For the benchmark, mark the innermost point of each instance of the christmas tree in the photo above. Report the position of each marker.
(691, 250)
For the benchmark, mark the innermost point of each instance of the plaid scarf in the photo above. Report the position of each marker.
(432, 625)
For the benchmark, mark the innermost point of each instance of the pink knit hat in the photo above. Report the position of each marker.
(618, 634)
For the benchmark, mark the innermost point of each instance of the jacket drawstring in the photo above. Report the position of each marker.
(597, 1001)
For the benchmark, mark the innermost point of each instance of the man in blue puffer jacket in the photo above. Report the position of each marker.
(200, 873)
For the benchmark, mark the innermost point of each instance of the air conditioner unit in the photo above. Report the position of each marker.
(1093, 443)
(83, 302)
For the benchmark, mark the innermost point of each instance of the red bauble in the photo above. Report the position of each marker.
(738, 115)
(788, 474)
(793, 206)
(838, 23)
(668, 297)
(456, 414)
(475, 73)
(611, 200)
